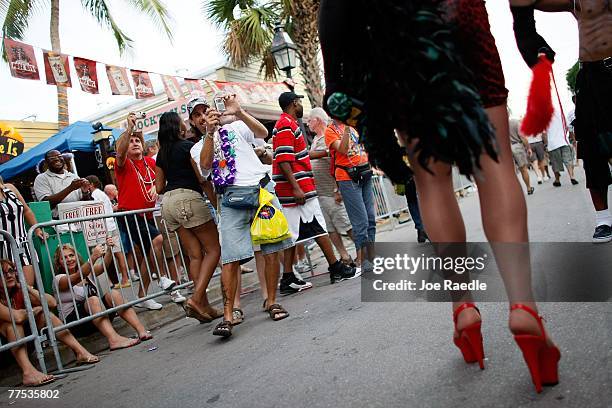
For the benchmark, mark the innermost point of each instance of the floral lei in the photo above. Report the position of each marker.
(225, 158)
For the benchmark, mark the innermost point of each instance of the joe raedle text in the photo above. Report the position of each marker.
(423, 285)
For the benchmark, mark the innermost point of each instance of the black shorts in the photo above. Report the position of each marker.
(593, 124)
(88, 328)
(141, 231)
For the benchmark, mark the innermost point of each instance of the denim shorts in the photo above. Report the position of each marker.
(235, 232)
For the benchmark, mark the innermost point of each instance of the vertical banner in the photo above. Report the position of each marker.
(142, 82)
(87, 74)
(21, 59)
(57, 69)
(119, 82)
(194, 87)
(172, 87)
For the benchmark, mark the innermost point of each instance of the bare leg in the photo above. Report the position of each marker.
(229, 282)
(120, 264)
(599, 198)
(208, 238)
(260, 265)
(128, 314)
(115, 340)
(570, 171)
(326, 246)
(288, 256)
(30, 375)
(525, 173)
(272, 272)
(336, 239)
(67, 338)
(536, 169)
(28, 271)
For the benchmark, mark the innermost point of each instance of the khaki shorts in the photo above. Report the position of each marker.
(520, 155)
(184, 208)
(335, 215)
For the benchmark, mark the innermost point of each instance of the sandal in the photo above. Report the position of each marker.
(275, 310)
(237, 316)
(192, 312)
(146, 336)
(87, 361)
(223, 329)
(264, 307)
(47, 380)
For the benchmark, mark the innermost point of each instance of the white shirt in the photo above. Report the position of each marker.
(249, 169)
(556, 133)
(49, 183)
(99, 195)
(66, 306)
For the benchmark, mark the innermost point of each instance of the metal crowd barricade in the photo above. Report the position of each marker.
(35, 335)
(386, 201)
(102, 281)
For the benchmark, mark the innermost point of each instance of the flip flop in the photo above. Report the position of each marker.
(223, 329)
(88, 361)
(126, 346)
(146, 337)
(46, 381)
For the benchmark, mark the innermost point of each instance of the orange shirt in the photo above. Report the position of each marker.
(355, 155)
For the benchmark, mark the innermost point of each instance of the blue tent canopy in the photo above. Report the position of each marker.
(74, 137)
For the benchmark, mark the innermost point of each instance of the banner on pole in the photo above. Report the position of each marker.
(57, 69)
(119, 82)
(172, 87)
(21, 59)
(194, 87)
(142, 84)
(87, 74)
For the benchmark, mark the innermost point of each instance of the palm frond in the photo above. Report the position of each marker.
(100, 11)
(249, 36)
(268, 65)
(221, 12)
(157, 12)
(17, 17)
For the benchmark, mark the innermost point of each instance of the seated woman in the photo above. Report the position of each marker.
(31, 376)
(85, 295)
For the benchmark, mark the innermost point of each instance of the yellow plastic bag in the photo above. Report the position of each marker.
(269, 225)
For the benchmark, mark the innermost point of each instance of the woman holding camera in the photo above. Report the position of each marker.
(354, 176)
(79, 296)
(185, 211)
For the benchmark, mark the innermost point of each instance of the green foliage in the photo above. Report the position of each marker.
(571, 75)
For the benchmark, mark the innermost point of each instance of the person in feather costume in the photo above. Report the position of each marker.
(430, 70)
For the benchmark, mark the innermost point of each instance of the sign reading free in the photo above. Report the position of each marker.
(151, 122)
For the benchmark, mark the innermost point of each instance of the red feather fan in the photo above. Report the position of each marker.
(539, 103)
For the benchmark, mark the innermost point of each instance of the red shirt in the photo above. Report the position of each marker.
(134, 181)
(289, 146)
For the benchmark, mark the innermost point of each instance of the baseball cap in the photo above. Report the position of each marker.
(195, 102)
(286, 98)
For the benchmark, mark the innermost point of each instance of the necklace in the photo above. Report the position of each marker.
(146, 183)
(224, 161)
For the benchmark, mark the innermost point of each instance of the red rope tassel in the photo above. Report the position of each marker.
(539, 103)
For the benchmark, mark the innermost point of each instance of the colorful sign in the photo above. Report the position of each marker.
(142, 83)
(194, 87)
(151, 122)
(21, 59)
(87, 74)
(119, 82)
(172, 87)
(57, 69)
(11, 143)
(254, 92)
(94, 230)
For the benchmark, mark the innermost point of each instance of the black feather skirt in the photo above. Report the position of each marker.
(392, 64)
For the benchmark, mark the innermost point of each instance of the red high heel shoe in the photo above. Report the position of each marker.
(469, 340)
(542, 359)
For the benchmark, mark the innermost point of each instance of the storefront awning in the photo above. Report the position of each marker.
(74, 137)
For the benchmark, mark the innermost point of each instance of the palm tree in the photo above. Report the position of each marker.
(18, 13)
(250, 35)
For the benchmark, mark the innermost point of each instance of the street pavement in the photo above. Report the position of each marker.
(335, 351)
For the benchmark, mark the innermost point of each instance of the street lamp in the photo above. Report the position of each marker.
(284, 50)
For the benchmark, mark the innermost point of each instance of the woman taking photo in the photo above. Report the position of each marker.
(14, 214)
(185, 211)
(74, 286)
(17, 313)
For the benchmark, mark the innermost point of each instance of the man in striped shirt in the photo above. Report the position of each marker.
(296, 191)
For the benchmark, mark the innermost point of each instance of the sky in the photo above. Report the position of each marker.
(197, 45)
